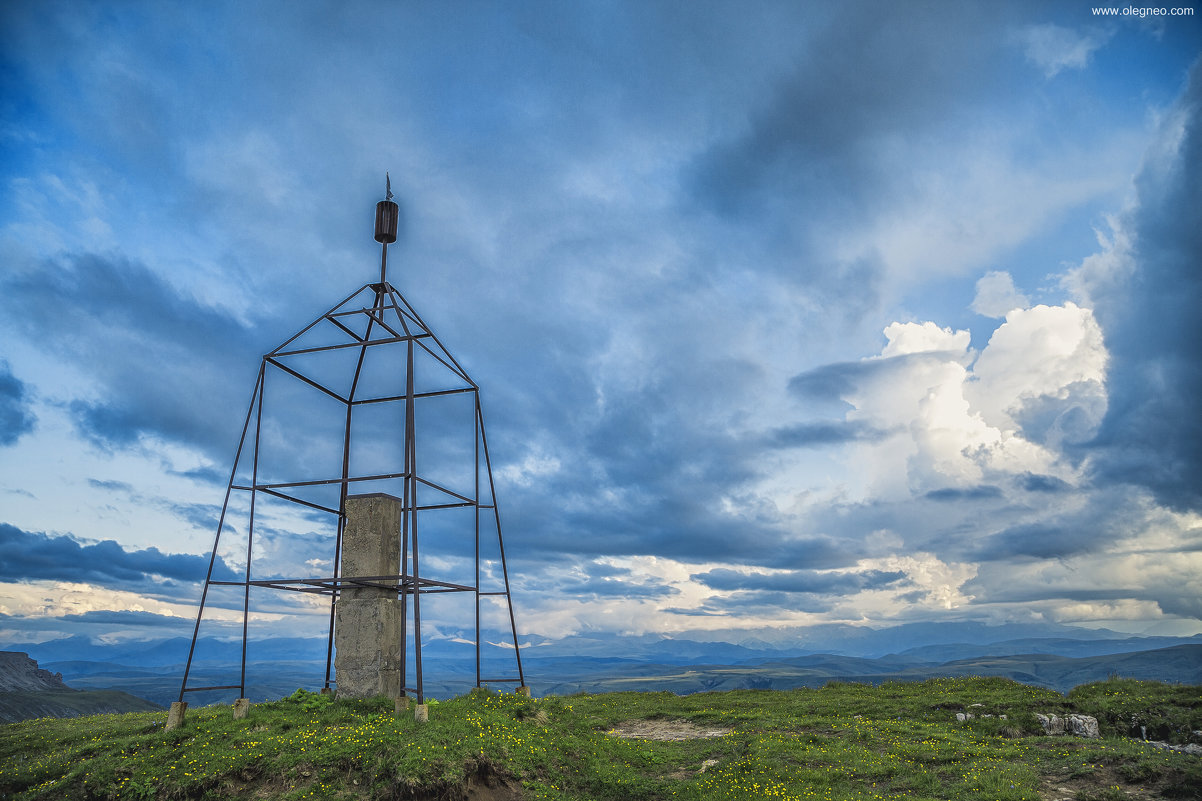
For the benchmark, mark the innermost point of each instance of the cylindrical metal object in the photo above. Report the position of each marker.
(387, 214)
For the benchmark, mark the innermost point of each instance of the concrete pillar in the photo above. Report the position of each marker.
(523, 690)
(421, 713)
(400, 704)
(367, 628)
(241, 708)
(175, 717)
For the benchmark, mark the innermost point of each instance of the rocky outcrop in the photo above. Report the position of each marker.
(1079, 725)
(20, 673)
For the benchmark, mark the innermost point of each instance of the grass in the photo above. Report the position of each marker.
(844, 741)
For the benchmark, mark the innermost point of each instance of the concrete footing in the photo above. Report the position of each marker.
(241, 708)
(523, 690)
(400, 704)
(176, 715)
(327, 691)
(421, 713)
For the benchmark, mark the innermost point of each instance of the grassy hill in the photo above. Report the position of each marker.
(68, 703)
(842, 741)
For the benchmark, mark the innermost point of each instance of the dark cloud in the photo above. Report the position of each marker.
(1033, 482)
(838, 380)
(110, 485)
(129, 618)
(799, 581)
(827, 432)
(204, 475)
(1152, 433)
(16, 417)
(769, 602)
(160, 357)
(1040, 541)
(983, 492)
(603, 587)
(866, 74)
(29, 556)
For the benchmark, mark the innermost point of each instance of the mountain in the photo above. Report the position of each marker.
(1051, 656)
(27, 691)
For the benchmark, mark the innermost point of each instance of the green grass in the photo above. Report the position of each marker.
(844, 741)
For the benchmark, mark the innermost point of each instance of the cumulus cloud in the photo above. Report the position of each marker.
(1043, 374)
(997, 295)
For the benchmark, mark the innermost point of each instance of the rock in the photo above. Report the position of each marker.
(1192, 748)
(1080, 725)
(1083, 726)
(1051, 724)
(20, 673)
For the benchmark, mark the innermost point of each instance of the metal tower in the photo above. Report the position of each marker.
(365, 399)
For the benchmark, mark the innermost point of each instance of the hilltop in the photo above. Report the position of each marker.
(841, 742)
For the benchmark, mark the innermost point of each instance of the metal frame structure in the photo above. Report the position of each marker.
(370, 325)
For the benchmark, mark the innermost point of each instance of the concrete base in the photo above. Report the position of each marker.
(176, 715)
(421, 713)
(241, 708)
(523, 690)
(327, 691)
(367, 628)
(400, 704)
(367, 662)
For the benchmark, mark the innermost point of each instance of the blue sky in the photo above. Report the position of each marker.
(783, 313)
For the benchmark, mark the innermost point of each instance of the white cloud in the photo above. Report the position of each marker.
(997, 295)
(926, 337)
(1043, 373)
(1038, 383)
(1053, 48)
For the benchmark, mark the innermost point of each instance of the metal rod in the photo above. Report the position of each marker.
(342, 345)
(476, 523)
(307, 380)
(301, 501)
(492, 491)
(432, 394)
(342, 490)
(310, 326)
(250, 531)
(411, 445)
(204, 594)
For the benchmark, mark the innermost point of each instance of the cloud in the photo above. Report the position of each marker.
(1053, 48)
(827, 432)
(159, 357)
(983, 492)
(799, 581)
(1043, 374)
(31, 556)
(997, 295)
(1145, 288)
(16, 416)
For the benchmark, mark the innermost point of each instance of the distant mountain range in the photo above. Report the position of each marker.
(1052, 656)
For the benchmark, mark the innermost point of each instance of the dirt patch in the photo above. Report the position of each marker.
(1097, 785)
(665, 730)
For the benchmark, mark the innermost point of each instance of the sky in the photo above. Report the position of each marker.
(782, 313)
